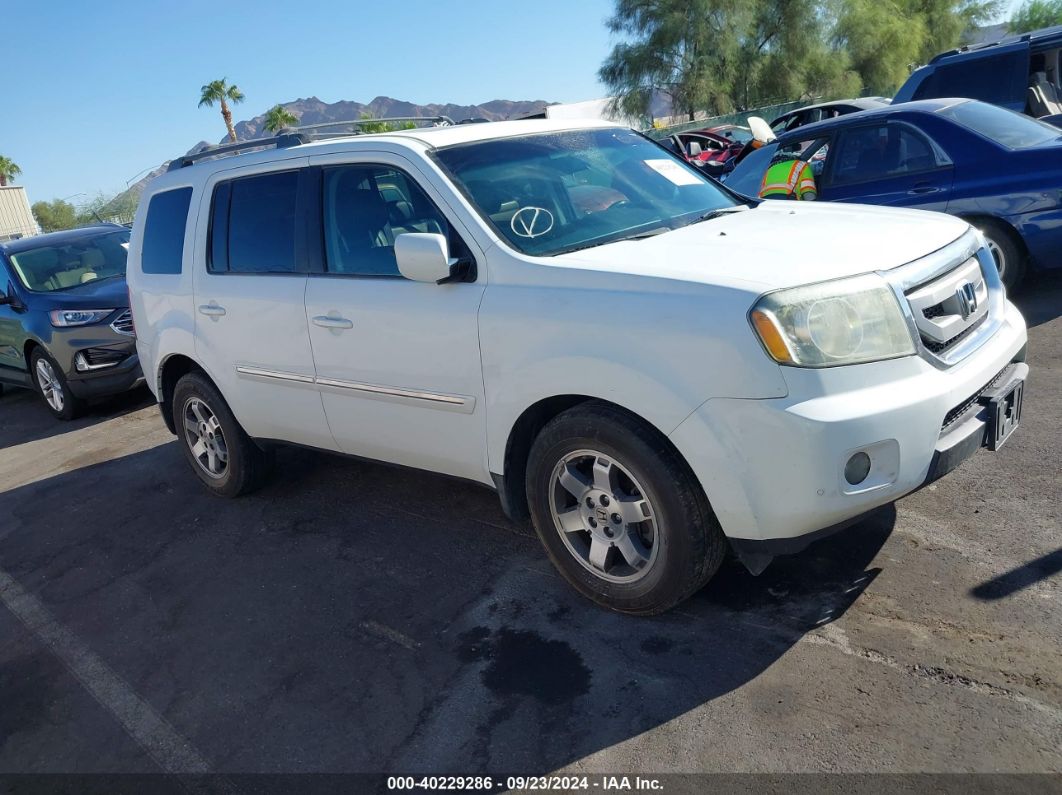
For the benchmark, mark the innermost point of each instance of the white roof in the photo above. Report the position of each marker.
(436, 137)
(421, 137)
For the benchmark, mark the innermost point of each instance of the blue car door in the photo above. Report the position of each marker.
(890, 163)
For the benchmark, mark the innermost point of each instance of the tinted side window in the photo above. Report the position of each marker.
(167, 216)
(999, 79)
(365, 209)
(869, 153)
(253, 224)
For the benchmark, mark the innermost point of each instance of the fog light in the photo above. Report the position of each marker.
(857, 468)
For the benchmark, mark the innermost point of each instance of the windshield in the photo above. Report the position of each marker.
(555, 192)
(60, 267)
(747, 177)
(1005, 127)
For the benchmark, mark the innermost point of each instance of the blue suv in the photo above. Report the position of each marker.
(1022, 73)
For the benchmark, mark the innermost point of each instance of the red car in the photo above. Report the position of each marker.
(709, 148)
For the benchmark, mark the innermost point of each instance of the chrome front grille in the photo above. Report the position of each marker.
(950, 307)
(123, 324)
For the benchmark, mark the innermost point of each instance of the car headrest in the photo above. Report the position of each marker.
(93, 258)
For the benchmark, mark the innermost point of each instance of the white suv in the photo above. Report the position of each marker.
(645, 364)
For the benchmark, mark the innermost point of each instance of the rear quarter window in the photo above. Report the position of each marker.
(167, 216)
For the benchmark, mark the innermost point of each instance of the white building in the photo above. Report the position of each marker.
(16, 219)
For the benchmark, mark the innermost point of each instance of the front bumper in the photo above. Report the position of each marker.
(112, 381)
(773, 469)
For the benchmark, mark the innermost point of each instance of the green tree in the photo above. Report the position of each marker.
(787, 55)
(278, 118)
(119, 208)
(721, 55)
(55, 215)
(1036, 14)
(885, 38)
(383, 126)
(8, 170)
(687, 50)
(219, 91)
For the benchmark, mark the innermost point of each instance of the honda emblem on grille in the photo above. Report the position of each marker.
(967, 297)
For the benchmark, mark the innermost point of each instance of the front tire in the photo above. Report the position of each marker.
(619, 512)
(53, 387)
(1006, 251)
(219, 451)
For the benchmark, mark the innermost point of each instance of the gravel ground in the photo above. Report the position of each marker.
(355, 617)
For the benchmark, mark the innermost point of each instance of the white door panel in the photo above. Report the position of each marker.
(259, 353)
(403, 383)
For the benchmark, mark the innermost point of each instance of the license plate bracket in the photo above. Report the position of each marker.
(1004, 414)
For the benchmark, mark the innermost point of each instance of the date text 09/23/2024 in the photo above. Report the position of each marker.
(604, 783)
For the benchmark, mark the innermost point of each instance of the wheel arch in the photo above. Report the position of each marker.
(170, 371)
(511, 484)
(1015, 235)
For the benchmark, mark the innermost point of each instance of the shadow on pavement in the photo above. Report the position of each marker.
(25, 418)
(354, 617)
(1043, 568)
(1040, 297)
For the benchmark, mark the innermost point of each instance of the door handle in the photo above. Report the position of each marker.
(211, 310)
(922, 190)
(326, 321)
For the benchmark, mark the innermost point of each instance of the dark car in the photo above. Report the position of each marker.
(998, 169)
(65, 326)
(822, 112)
(1022, 73)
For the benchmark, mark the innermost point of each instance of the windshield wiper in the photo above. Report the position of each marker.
(719, 211)
(659, 230)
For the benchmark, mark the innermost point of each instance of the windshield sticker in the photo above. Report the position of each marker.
(673, 171)
(531, 221)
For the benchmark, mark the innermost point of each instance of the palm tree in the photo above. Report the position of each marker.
(221, 92)
(8, 170)
(278, 118)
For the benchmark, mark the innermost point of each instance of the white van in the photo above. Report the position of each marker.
(647, 366)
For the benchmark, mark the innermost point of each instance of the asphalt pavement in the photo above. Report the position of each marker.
(357, 617)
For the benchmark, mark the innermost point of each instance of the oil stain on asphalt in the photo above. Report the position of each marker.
(523, 663)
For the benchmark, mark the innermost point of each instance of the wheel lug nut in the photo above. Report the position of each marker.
(593, 522)
(609, 532)
(589, 502)
(616, 518)
(604, 500)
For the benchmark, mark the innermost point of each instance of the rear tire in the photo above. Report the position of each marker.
(54, 389)
(639, 537)
(219, 451)
(1007, 252)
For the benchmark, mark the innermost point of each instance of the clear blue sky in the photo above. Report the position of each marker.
(96, 92)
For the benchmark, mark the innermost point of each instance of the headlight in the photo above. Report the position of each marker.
(63, 318)
(846, 321)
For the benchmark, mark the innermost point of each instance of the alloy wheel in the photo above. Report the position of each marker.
(50, 386)
(999, 255)
(205, 439)
(604, 516)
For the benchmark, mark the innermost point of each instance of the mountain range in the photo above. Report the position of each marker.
(315, 111)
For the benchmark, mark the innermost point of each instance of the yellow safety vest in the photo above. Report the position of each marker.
(789, 179)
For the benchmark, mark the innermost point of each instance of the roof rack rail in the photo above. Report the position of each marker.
(294, 136)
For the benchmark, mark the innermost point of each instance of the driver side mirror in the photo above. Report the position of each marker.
(694, 148)
(425, 257)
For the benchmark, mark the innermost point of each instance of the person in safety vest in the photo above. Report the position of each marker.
(789, 177)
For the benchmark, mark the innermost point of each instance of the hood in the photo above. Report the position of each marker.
(96, 294)
(779, 244)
